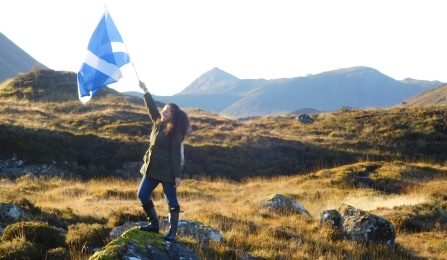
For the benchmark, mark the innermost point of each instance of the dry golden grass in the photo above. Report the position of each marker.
(232, 207)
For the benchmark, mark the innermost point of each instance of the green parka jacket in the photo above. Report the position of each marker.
(162, 161)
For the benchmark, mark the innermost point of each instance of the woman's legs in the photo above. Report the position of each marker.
(147, 186)
(173, 208)
(145, 190)
(170, 194)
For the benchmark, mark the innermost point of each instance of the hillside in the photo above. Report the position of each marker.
(42, 122)
(45, 85)
(430, 97)
(356, 87)
(75, 168)
(14, 60)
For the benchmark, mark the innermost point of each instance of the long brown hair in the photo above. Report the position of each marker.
(179, 120)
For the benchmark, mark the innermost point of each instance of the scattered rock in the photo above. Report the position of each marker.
(282, 204)
(305, 118)
(12, 213)
(360, 226)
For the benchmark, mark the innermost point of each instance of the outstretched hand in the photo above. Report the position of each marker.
(142, 85)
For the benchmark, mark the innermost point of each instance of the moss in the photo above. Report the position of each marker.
(141, 238)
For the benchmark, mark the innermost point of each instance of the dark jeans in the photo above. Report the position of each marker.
(148, 185)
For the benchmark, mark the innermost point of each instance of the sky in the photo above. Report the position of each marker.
(173, 42)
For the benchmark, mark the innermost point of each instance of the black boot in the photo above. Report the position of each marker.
(152, 218)
(173, 221)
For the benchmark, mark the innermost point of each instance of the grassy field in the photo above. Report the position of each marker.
(232, 207)
(231, 165)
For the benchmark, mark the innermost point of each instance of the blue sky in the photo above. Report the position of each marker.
(171, 43)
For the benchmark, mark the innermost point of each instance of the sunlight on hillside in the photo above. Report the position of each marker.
(374, 202)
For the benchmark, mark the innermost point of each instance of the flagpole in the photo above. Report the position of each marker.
(132, 62)
(125, 46)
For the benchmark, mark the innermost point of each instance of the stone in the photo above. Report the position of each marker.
(285, 205)
(360, 226)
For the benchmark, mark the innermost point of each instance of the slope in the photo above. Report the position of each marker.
(430, 97)
(13, 60)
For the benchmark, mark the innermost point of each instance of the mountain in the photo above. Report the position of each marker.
(214, 91)
(213, 81)
(13, 60)
(430, 97)
(220, 92)
(357, 87)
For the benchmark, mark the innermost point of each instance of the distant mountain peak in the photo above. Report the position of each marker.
(351, 70)
(209, 81)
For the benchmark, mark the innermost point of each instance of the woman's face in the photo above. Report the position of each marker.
(166, 114)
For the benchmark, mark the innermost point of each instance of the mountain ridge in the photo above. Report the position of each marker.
(357, 87)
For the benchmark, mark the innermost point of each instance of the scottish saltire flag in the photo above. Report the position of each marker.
(106, 54)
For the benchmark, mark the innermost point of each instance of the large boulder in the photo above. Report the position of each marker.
(197, 230)
(137, 244)
(360, 226)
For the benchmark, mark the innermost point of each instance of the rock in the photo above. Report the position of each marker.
(305, 118)
(197, 230)
(332, 216)
(137, 244)
(194, 229)
(12, 213)
(360, 226)
(285, 205)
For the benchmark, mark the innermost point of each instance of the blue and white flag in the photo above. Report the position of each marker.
(106, 54)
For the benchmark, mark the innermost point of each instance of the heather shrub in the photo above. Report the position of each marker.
(87, 235)
(119, 217)
(35, 232)
(18, 249)
(59, 253)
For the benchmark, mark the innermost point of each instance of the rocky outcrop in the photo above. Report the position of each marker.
(136, 244)
(131, 243)
(187, 228)
(360, 226)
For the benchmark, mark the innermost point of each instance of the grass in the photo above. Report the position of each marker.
(233, 208)
(266, 146)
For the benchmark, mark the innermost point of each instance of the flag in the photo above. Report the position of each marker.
(106, 54)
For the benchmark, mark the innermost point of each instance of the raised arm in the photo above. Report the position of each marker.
(150, 103)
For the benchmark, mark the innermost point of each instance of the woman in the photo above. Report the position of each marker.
(162, 161)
